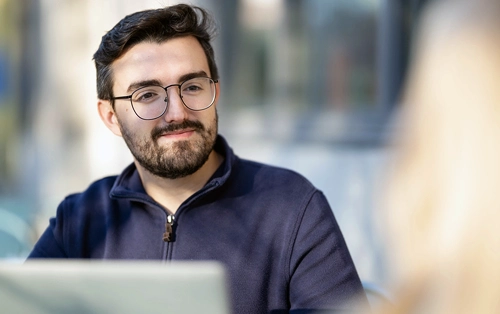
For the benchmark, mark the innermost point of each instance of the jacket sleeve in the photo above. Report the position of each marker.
(50, 244)
(322, 272)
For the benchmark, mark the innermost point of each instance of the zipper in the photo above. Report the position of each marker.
(168, 236)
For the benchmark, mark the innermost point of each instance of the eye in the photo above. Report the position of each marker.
(192, 88)
(147, 94)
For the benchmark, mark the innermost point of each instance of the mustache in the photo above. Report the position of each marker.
(186, 124)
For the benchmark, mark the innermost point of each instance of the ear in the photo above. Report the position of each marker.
(108, 116)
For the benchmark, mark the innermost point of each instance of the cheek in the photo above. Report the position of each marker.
(128, 116)
(137, 131)
(132, 125)
(207, 116)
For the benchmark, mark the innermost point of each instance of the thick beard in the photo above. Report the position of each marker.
(179, 160)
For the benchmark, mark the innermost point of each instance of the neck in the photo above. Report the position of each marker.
(171, 193)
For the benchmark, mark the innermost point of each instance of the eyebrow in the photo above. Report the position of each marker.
(136, 85)
(188, 76)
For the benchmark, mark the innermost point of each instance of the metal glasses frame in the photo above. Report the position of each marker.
(166, 91)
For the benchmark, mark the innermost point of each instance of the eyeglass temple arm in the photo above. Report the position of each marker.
(121, 97)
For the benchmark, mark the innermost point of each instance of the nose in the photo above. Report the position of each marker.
(176, 111)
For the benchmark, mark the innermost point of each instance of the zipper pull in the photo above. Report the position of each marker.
(168, 236)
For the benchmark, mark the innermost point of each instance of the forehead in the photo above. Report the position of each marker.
(165, 62)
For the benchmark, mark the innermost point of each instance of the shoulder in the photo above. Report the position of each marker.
(97, 192)
(272, 175)
(273, 185)
(91, 207)
(248, 171)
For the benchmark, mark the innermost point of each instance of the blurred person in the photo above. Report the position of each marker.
(443, 204)
(186, 196)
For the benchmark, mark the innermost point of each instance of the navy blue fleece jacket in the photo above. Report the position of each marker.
(271, 228)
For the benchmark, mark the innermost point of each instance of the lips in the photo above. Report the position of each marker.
(177, 132)
(177, 129)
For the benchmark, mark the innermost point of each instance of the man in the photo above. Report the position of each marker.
(187, 196)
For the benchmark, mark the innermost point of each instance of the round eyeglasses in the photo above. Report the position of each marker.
(151, 102)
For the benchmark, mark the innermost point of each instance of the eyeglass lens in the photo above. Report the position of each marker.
(150, 102)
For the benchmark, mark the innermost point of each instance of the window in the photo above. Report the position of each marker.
(314, 69)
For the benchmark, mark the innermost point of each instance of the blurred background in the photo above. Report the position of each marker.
(311, 85)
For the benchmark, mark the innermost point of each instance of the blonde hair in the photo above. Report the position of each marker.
(443, 206)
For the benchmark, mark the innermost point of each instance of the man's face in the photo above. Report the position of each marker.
(178, 143)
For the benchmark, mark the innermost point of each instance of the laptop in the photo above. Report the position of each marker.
(92, 286)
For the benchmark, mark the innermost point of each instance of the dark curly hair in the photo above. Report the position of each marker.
(156, 25)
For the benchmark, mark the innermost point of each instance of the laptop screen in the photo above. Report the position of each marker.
(91, 286)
